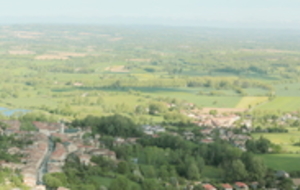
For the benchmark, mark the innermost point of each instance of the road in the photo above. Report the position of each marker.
(43, 167)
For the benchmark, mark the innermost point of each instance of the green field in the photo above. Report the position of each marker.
(252, 101)
(288, 89)
(281, 103)
(287, 162)
(285, 140)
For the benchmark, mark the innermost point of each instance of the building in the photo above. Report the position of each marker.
(29, 180)
(62, 188)
(208, 187)
(85, 159)
(240, 186)
(282, 174)
(104, 153)
(47, 128)
(150, 130)
(40, 187)
(226, 186)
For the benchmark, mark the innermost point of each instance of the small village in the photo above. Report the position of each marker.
(53, 142)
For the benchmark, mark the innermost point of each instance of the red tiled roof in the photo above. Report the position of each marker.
(226, 185)
(208, 186)
(240, 184)
(49, 126)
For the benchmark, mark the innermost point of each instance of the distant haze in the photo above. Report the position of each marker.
(213, 13)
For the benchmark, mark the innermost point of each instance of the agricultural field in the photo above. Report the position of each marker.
(92, 71)
(285, 104)
(285, 140)
(286, 162)
(251, 101)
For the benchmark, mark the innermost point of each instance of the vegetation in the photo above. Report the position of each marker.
(115, 79)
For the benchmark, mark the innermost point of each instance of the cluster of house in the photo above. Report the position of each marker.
(209, 120)
(237, 140)
(52, 143)
(152, 130)
(225, 186)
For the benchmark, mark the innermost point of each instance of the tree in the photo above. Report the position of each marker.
(51, 182)
(213, 112)
(285, 184)
(123, 167)
(114, 125)
(120, 183)
(150, 184)
(157, 107)
(193, 172)
(255, 166)
(234, 170)
(140, 110)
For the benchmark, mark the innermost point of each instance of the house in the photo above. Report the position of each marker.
(14, 150)
(282, 174)
(61, 137)
(150, 130)
(207, 141)
(29, 180)
(240, 186)
(247, 123)
(254, 185)
(226, 186)
(104, 153)
(131, 140)
(13, 124)
(84, 148)
(12, 127)
(208, 187)
(84, 159)
(207, 131)
(118, 141)
(74, 132)
(59, 154)
(40, 187)
(296, 181)
(54, 167)
(70, 147)
(62, 188)
(47, 128)
(189, 135)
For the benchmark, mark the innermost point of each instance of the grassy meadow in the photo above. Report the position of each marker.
(287, 162)
(285, 140)
(285, 104)
(251, 101)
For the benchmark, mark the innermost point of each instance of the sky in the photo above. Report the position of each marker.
(276, 13)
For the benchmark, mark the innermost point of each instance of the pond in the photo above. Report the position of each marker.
(10, 112)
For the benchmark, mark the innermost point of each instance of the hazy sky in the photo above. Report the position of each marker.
(273, 12)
